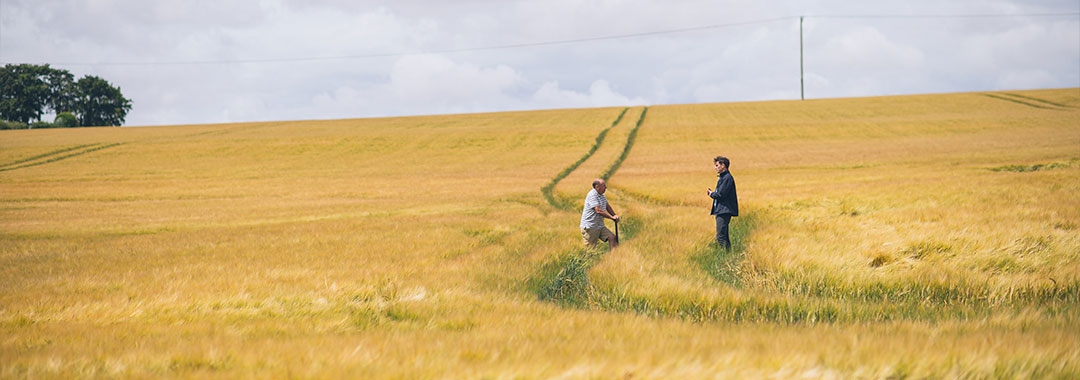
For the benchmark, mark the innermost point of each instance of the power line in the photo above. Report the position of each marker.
(548, 43)
(420, 52)
(1011, 15)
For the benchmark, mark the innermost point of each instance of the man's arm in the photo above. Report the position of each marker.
(612, 212)
(722, 188)
(605, 213)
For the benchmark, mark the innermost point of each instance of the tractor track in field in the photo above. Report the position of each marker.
(44, 155)
(56, 155)
(568, 205)
(563, 278)
(1037, 100)
(1028, 101)
(79, 150)
(626, 148)
(548, 190)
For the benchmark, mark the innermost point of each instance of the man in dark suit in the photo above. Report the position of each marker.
(725, 203)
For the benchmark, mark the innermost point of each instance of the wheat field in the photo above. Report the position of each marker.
(928, 236)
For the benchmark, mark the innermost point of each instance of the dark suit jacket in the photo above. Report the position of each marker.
(725, 202)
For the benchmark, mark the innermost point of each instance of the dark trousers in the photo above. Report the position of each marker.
(722, 222)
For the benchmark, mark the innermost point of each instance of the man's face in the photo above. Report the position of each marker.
(720, 168)
(601, 188)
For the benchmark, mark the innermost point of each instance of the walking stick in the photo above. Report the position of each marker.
(616, 230)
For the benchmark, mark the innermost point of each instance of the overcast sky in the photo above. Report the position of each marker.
(210, 61)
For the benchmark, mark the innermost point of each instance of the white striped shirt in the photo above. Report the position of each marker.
(589, 217)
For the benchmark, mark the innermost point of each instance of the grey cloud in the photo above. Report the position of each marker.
(844, 56)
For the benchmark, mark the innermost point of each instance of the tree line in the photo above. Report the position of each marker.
(28, 92)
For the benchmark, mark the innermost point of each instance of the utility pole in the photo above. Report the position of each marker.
(802, 81)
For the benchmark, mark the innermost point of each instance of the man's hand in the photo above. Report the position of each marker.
(615, 218)
(708, 191)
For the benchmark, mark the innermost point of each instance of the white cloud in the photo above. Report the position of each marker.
(599, 94)
(1023, 55)
(433, 78)
(844, 56)
(344, 102)
(866, 47)
(427, 84)
(1025, 79)
(435, 84)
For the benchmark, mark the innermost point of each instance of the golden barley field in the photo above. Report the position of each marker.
(903, 237)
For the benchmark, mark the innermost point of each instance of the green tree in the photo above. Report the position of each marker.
(28, 91)
(24, 92)
(97, 103)
(61, 97)
(66, 120)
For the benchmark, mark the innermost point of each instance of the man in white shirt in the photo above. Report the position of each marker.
(592, 217)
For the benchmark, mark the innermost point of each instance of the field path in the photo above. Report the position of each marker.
(565, 279)
(56, 155)
(1055, 104)
(1028, 101)
(668, 270)
(548, 190)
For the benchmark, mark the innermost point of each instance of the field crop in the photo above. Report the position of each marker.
(930, 236)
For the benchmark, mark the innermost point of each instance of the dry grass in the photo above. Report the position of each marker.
(898, 237)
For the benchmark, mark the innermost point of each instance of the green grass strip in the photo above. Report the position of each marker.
(937, 293)
(548, 190)
(722, 265)
(1031, 168)
(626, 149)
(564, 280)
